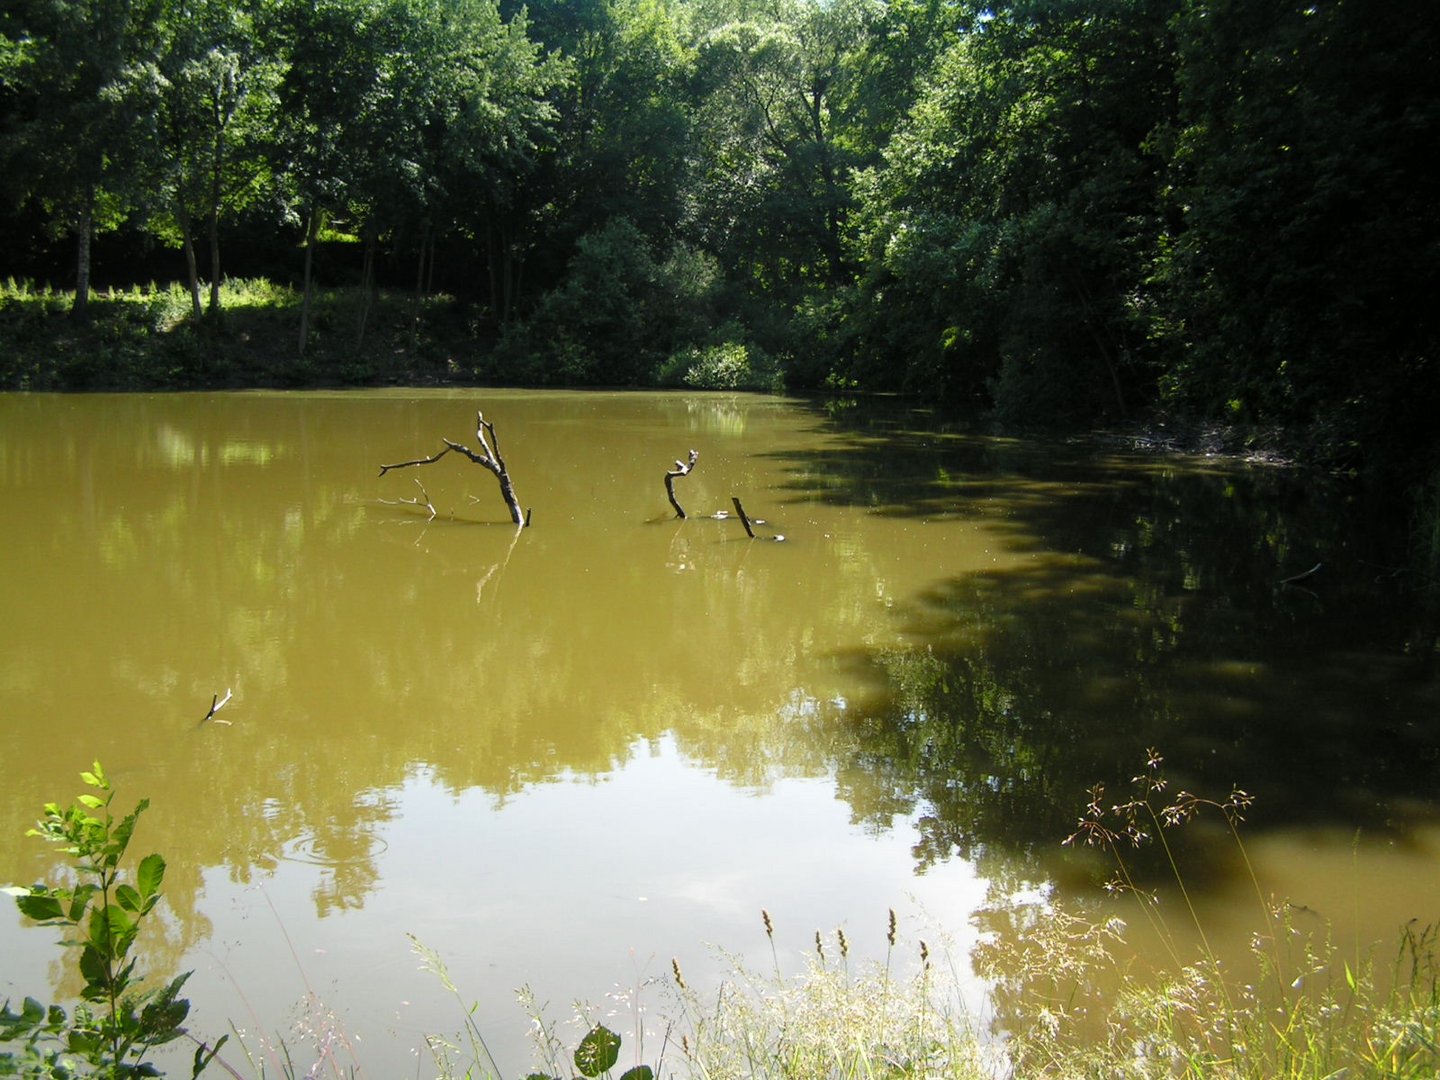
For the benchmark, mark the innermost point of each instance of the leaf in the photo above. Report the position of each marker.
(120, 837)
(79, 900)
(639, 1072)
(94, 971)
(82, 1042)
(597, 1051)
(41, 908)
(92, 801)
(160, 1020)
(111, 933)
(128, 898)
(150, 875)
(205, 1054)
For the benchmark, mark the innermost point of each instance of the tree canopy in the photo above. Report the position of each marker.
(1070, 211)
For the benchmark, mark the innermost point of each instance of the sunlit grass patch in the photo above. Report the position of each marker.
(830, 1021)
(241, 293)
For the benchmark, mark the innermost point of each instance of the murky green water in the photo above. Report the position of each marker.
(564, 755)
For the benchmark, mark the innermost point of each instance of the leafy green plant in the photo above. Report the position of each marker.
(118, 1022)
(594, 1056)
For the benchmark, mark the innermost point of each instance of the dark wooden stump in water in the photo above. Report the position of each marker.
(744, 517)
(681, 469)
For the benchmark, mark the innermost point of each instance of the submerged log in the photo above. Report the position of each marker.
(681, 469)
(487, 457)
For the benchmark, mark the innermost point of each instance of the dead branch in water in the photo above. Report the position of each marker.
(681, 469)
(749, 522)
(488, 457)
(216, 704)
(427, 504)
(744, 517)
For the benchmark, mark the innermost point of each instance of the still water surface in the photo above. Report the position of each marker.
(563, 755)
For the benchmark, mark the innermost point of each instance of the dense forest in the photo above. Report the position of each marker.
(1067, 211)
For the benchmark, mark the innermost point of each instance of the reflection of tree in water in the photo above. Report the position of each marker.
(1149, 613)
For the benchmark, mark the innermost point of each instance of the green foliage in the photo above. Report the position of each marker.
(607, 324)
(728, 366)
(594, 1055)
(118, 1022)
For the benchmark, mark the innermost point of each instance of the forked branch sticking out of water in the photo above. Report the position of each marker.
(488, 457)
(682, 468)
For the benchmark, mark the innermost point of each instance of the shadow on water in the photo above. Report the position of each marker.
(1150, 610)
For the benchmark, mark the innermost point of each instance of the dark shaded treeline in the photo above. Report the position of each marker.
(1067, 210)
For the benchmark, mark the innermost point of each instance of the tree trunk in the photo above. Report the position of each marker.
(312, 229)
(84, 226)
(214, 229)
(367, 287)
(192, 270)
(417, 301)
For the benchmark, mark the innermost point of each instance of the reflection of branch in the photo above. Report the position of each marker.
(216, 704)
(681, 469)
(480, 585)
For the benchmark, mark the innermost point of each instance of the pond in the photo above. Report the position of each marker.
(563, 755)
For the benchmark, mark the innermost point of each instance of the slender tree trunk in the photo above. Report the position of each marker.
(216, 173)
(419, 297)
(192, 270)
(312, 230)
(502, 268)
(834, 249)
(367, 287)
(84, 227)
(491, 265)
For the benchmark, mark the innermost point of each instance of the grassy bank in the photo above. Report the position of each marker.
(147, 338)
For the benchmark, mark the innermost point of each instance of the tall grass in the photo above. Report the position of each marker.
(1296, 1009)
(831, 1019)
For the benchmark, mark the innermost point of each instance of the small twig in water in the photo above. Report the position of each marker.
(427, 504)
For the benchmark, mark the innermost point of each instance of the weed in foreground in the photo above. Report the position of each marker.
(119, 1021)
(830, 1021)
(1301, 1011)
